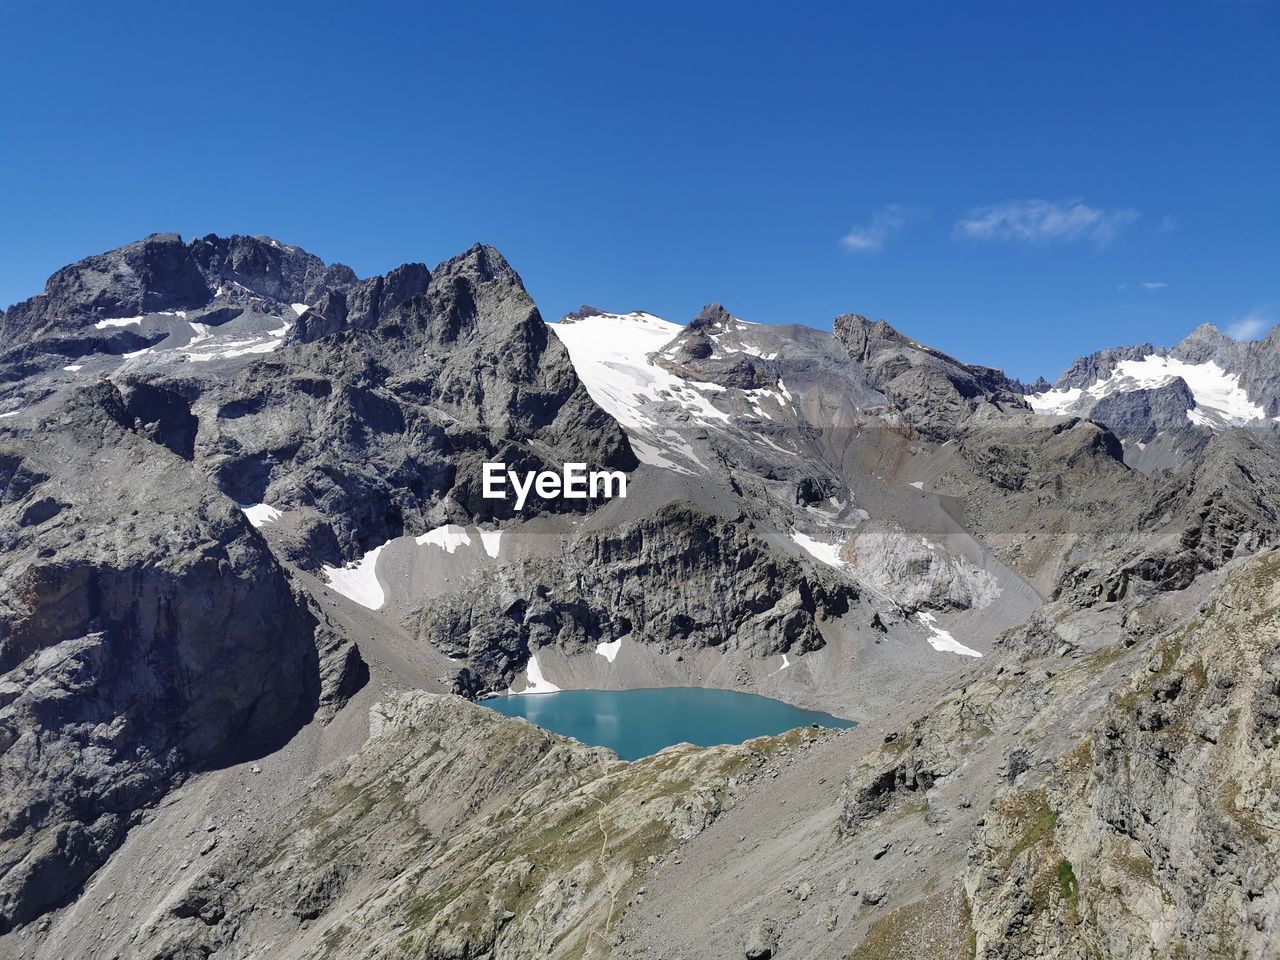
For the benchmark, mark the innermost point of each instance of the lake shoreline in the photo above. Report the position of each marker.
(642, 721)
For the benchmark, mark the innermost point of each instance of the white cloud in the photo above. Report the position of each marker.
(884, 223)
(1044, 221)
(1251, 326)
(1154, 285)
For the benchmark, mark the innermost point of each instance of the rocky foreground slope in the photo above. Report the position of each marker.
(1107, 790)
(247, 570)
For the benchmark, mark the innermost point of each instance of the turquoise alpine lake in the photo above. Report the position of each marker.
(637, 723)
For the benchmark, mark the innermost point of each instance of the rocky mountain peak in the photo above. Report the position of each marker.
(1206, 333)
(1095, 366)
(272, 368)
(268, 268)
(152, 274)
(712, 317)
(481, 263)
(854, 331)
(1166, 403)
(934, 391)
(1207, 344)
(582, 313)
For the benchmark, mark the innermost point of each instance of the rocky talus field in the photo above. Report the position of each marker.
(251, 593)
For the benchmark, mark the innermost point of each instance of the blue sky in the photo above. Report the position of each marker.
(1015, 183)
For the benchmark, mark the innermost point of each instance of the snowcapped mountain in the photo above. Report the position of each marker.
(612, 356)
(632, 365)
(1217, 397)
(1172, 399)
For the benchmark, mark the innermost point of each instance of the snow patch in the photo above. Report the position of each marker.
(755, 352)
(609, 650)
(537, 683)
(918, 484)
(754, 397)
(1055, 402)
(300, 308)
(227, 350)
(769, 443)
(260, 513)
(785, 663)
(648, 453)
(358, 581)
(611, 355)
(73, 367)
(828, 553)
(449, 538)
(117, 322)
(491, 540)
(941, 640)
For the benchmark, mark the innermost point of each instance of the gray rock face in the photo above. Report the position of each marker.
(1206, 343)
(161, 304)
(1140, 415)
(679, 580)
(915, 759)
(153, 274)
(1100, 365)
(132, 610)
(374, 418)
(362, 304)
(1044, 491)
(1220, 508)
(1166, 806)
(383, 431)
(267, 268)
(915, 572)
(694, 354)
(1032, 454)
(934, 392)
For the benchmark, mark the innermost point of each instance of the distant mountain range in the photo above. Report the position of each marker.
(250, 581)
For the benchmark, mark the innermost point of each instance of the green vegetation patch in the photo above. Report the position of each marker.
(1033, 821)
(1068, 885)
